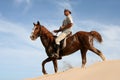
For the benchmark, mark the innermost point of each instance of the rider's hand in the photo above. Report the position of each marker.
(61, 28)
(56, 31)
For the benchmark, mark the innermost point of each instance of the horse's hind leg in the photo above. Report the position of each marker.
(98, 52)
(83, 55)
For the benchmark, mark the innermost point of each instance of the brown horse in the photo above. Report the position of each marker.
(81, 40)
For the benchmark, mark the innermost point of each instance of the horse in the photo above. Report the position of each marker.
(81, 40)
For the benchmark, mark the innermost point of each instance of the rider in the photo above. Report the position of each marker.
(65, 29)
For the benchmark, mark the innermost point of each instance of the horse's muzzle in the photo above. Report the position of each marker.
(32, 37)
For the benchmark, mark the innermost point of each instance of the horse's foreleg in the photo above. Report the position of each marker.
(83, 55)
(43, 65)
(55, 65)
(98, 52)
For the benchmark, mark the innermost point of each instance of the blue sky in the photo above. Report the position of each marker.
(21, 58)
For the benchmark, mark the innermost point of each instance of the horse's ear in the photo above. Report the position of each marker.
(38, 22)
(33, 23)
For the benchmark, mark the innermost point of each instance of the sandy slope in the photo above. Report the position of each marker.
(108, 70)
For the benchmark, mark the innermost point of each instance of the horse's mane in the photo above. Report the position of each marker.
(47, 33)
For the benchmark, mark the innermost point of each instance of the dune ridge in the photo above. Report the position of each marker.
(107, 70)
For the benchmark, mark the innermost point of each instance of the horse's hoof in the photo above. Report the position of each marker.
(45, 73)
(83, 67)
(104, 59)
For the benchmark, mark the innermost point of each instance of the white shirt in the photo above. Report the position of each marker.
(66, 21)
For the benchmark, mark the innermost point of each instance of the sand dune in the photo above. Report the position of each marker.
(107, 70)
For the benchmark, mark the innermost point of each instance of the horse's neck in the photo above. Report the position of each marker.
(46, 37)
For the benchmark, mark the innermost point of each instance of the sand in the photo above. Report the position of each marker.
(107, 70)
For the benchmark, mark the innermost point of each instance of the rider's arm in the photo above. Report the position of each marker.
(69, 25)
(66, 26)
(63, 27)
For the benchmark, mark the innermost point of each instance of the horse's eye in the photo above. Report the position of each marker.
(36, 28)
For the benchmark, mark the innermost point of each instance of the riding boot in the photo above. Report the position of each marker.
(57, 49)
(58, 52)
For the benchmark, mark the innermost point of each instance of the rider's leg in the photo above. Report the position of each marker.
(58, 39)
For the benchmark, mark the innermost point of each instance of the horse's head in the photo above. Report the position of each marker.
(36, 31)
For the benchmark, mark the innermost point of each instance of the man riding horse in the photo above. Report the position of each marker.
(65, 29)
(81, 40)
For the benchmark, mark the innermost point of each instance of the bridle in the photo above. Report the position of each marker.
(40, 33)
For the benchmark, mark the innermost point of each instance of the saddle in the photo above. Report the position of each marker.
(63, 42)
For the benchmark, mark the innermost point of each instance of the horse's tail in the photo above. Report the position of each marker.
(97, 36)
